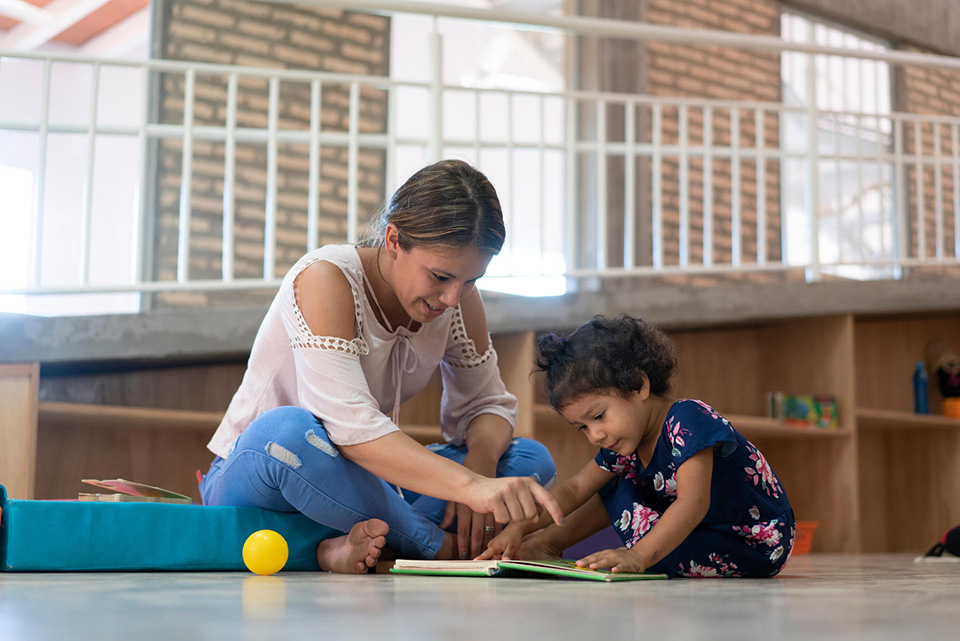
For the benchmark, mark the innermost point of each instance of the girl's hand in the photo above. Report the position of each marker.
(619, 560)
(505, 545)
(538, 546)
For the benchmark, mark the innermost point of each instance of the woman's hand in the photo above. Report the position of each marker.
(512, 498)
(619, 560)
(475, 530)
(505, 545)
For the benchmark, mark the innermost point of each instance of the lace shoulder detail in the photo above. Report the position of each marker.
(305, 339)
(469, 357)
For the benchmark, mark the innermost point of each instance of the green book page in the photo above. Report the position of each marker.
(568, 568)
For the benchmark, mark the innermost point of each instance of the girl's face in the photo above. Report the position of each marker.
(428, 280)
(609, 420)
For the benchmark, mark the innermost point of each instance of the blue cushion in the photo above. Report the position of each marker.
(69, 536)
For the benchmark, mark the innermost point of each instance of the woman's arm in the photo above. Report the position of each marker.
(487, 437)
(400, 460)
(325, 300)
(676, 523)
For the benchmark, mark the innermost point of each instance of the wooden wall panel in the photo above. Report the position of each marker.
(886, 351)
(18, 428)
(167, 458)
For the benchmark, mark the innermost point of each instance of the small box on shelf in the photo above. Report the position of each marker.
(803, 410)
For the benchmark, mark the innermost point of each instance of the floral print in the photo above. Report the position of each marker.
(668, 487)
(748, 530)
(719, 567)
(625, 467)
(676, 433)
(761, 473)
(761, 534)
(643, 520)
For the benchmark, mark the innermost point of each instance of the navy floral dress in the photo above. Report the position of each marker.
(748, 530)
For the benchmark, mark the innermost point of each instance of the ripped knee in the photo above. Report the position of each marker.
(321, 444)
(283, 455)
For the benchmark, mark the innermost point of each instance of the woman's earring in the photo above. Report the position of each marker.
(393, 255)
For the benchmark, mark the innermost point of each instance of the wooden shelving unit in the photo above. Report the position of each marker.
(885, 481)
(871, 419)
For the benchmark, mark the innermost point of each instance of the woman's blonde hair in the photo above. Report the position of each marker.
(447, 203)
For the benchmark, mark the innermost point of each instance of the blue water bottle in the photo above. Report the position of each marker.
(920, 404)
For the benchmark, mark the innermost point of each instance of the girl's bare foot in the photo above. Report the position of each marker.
(355, 552)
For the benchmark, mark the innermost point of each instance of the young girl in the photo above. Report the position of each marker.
(686, 492)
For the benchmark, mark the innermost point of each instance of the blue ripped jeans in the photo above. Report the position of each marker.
(284, 461)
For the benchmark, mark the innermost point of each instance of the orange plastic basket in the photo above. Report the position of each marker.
(804, 541)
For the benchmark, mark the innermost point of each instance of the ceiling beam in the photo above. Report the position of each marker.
(24, 12)
(66, 13)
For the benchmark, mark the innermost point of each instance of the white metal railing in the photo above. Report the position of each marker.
(648, 146)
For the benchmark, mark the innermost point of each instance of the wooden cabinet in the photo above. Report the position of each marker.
(887, 480)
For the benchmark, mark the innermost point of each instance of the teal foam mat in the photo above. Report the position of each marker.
(75, 536)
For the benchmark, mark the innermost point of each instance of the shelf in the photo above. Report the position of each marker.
(92, 415)
(872, 419)
(749, 426)
(423, 434)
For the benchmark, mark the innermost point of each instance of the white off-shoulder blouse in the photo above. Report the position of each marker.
(352, 385)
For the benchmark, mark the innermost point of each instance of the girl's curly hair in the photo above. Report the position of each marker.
(605, 354)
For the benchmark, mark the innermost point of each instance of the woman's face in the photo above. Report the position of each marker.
(428, 280)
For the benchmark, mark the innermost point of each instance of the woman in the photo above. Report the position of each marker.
(352, 333)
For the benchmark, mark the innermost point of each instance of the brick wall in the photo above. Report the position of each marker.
(662, 69)
(932, 92)
(726, 74)
(276, 36)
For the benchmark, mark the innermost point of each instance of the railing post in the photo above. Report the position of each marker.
(186, 180)
(86, 228)
(353, 150)
(813, 185)
(436, 93)
(229, 178)
(41, 184)
(570, 213)
(900, 180)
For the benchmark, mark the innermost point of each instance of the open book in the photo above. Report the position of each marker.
(558, 567)
(132, 491)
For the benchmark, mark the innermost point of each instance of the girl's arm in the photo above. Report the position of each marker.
(550, 542)
(676, 523)
(570, 496)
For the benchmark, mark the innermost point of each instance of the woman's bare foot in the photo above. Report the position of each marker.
(355, 552)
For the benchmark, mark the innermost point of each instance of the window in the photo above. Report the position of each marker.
(854, 194)
(498, 131)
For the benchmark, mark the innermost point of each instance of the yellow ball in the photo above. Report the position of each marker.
(265, 552)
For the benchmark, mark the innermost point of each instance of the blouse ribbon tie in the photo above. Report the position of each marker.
(402, 360)
(400, 364)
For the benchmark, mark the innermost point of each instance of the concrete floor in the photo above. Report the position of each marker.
(874, 597)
